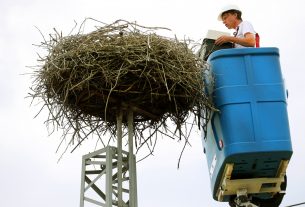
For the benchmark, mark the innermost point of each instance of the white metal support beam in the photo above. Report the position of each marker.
(108, 175)
(120, 159)
(131, 161)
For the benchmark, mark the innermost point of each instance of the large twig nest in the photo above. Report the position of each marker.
(86, 78)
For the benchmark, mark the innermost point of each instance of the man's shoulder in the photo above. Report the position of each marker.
(245, 23)
(246, 26)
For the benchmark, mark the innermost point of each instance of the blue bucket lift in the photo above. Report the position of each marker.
(248, 144)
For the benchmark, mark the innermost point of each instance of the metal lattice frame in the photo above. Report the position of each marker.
(109, 174)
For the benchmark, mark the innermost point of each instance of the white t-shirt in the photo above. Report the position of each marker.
(243, 28)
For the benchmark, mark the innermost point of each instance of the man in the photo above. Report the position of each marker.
(244, 35)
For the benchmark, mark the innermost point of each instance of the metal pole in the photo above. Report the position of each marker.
(131, 162)
(109, 154)
(120, 159)
(82, 188)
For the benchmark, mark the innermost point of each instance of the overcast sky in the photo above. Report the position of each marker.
(30, 175)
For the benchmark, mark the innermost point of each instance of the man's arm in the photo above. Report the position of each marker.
(247, 41)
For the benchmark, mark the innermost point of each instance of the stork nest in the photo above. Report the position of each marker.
(85, 79)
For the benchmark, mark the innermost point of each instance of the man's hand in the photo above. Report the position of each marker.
(247, 41)
(223, 39)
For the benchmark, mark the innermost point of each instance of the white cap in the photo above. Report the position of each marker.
(227, 8)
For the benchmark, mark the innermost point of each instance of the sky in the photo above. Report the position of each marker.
(30, 174)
